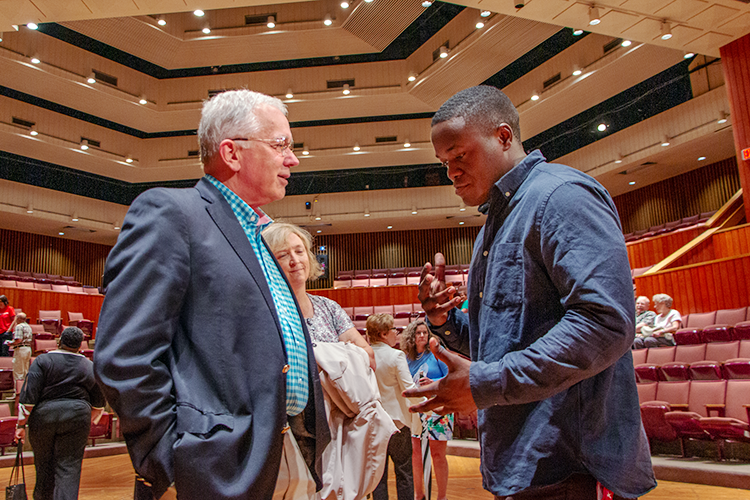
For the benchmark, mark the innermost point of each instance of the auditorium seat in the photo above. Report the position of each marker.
(742, 331)
(689, 221)
(701, 320)
(401, 322)
(52, 321)
(737, 368)
(60, 288)
(717, 333)
(660, 355)
(639, 271)
(41, 346)
(647, 372)
(92, 290)
(646, 391)
(639, 356)
(360, 324)
(363, 311)
(360, 282)
(704, 396)
(414, 271)
(687, 336)
(417, 308)
(674, 371)
(24, 276)
(375, 282)
(27, 285)
(732, 422)
(101, 430)
(379, 273)
(6, 379)
(7, 283)
(7, 429)
(344, 275)
(383, 309)
(361, 274)
(731, 316)
(669, 396)
(402, 311)
(39, 277)
(398, 272)
(86, 325)
(721, 351)
(349, 311)
(75, 289)
(43, 286)
(396, 280)
(744, 349)
(705, 370)
(412, 280)
(342, 284)
(37, 329)
(690, 353)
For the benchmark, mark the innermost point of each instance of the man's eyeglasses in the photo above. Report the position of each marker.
(281, 144)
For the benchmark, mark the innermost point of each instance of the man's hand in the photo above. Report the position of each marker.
(437, 298)
(450, 394)
(19, 435)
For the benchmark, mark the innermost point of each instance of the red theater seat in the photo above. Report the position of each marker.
(704, 396)
(687, 336)
(677, 370)
(732, 424)
(722, 351)
(738, 368)
(690, 353)
(647, 373)
(646, 391)
(701, 320)
(660, 355)
(731, 316)
(639, 356)
(705, 370)
(102, 430)
(717, 333)
(742, 331)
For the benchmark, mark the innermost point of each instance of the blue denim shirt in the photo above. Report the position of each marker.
(549, 331)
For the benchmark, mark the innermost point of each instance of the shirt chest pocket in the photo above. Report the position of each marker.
(503, 286)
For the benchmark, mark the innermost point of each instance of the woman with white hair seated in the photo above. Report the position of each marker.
(667, 322)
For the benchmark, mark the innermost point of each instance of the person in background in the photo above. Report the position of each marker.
(326, 320)
(7, 322)
(643, 317)
(393, 377)
(21, 344)
(59, 400)
(666, 322)
(551, 317)
(425, 368)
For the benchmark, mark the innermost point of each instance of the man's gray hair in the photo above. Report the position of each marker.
(663, 298)
(643, 297)
(484, 107)
(229, 115)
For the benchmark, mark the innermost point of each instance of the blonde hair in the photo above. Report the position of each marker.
(409, 338)
(277, 234)
(377, 326)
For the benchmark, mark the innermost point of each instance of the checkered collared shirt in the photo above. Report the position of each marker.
(297, 388)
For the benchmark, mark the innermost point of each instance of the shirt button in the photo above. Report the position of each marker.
(447, 332)
(507, 193)
(485, 253)
(480, 295)
(285, 369)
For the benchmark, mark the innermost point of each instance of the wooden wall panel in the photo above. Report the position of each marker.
(653, 250)
(44, 254)
(379, 296)
(394, 249)
(31, 301)
(720, 284)
(732, 242)
(698, 191)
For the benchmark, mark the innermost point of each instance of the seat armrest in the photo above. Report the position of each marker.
(678, 406)
(720, 409)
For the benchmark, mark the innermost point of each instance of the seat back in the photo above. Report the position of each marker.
(75, 316)
(660, 355)
(717, 333)
(731, 316)
(676, 370)
(349, 311)
(741, 331)
(676, 393)
(722, 351)
(690, 353)
(359, 283)
(738, 395)
(412, 280)
(701, 320)
(6, 363)
(703, 392)
(50, 314)
(43, 286)
(75, 289)
(396, 280)
(8, 283)
(363, 310)
(706, 370)
(379, 281)
(60, 288)
(342, 284)
(362, 274)
(4, 410)
(738, 368)
(383, 309)
(688, 336)
(744, 349)
(646, 391)
(41, 346)
(639, 356)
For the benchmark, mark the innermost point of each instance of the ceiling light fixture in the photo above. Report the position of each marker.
(61, 233)
(701, 158)
(485, 13)
(443, 51)
(666, 32)
(143, 100)
(412, 76)
(35, 60)
(84, 144)
(688, 55)
(577, 32)
(601, 127)
(390, 227)
(91, 79)
(116, 225)
(289, 94)
(305, 151)
(426, 3)
(594, 16)
(74, 218)
(577, 71)
(631, 183)
(626, 43)
(367, 213)
(199, 13)
(535, 96)
(414, 210)
(33, 131)
(346, 90)
(271, 22)
(161, 21)
(344, 4)
(620, 158)
(206, 30)
(317, 217)
(129, 159)
(407, 144)
(480, 24)
(356, 146)
(368, 1)
(462, 208)
(723, 118)
(461, 223)
(29, 209)
(327, 20)
(319, 230)
(32, 26)
(665, 141)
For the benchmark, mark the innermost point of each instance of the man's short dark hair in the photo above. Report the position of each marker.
(4, 299)
(484, 107)
(71, 337)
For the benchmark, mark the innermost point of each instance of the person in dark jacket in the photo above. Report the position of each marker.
(59, 400)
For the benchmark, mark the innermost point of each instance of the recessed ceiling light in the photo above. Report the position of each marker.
(367, 214)
(346, 90)
(701, 158)
(485, 13)
(414, 211)
(619, 158)
(577, 32)
(390, 227)
(688, 55)
(84, 144)
(319, 231)
(35, 60)
(426, 3)
(665, 141)
(407, 144)
(412, 76)
(32, 26)
(327, 20)
(723, 118)
(461, 223)
(128, 160)
(632, 183)
(199, 13)
(601, 127)
(626, 43)
(594, 16)
(61, 233)
(206, 30)
(535, 96)
(143, 100)
(161, 21)
(344, 4)
(577, 71)
(271, 22)
(443, 51)
(356, 146)
(33, 131)
(480, 24)
(666, 31)
(318, 217)
(91, 79)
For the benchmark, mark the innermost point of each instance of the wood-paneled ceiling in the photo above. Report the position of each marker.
(174, 67)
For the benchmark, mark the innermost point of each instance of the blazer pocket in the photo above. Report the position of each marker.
(503, 286)
(194, 421)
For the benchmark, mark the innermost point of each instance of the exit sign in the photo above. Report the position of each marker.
(746, 154)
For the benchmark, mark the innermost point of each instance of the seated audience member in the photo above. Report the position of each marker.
(643, 317)
(666, 322)
(21, 344)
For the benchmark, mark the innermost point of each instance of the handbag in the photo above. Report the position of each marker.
(16, 490)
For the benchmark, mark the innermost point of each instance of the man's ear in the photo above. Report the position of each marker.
(229, 153)
(505, 135)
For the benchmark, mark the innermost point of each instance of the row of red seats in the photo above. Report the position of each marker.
(25, 276)
(50, 287)
(714, 326)
(456, 274)
(403, 314)
(712, 410)
(709, 361)
(397, 272)
(685, 222)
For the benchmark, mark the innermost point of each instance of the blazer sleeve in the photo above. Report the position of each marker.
(146, 278)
